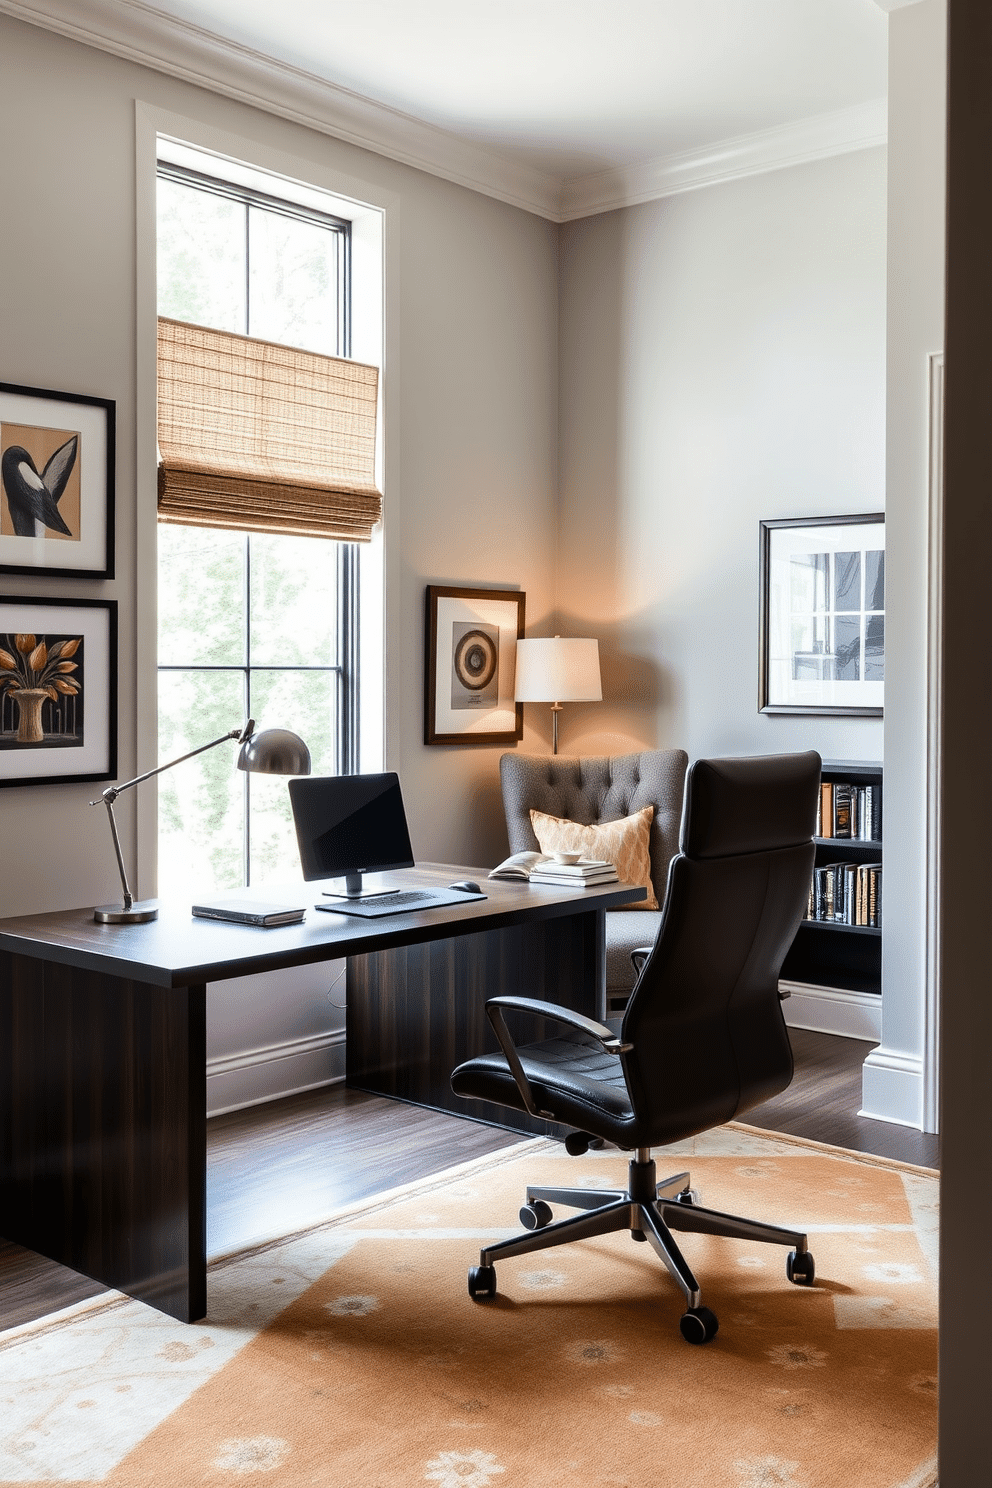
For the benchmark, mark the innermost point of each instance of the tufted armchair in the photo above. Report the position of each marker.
(597, 790)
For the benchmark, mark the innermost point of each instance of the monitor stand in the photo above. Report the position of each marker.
(353, 889)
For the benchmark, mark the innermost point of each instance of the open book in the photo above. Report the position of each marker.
(543, 868)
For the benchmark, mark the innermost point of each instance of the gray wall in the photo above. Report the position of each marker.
(470, 440)
(722, 361)
(692, 365)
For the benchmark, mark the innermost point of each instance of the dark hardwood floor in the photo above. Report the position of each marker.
(823, 1101)
(282, 1166)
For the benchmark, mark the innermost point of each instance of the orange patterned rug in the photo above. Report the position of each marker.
(352, 1357)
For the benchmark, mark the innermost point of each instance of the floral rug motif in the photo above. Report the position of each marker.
(350, 1356)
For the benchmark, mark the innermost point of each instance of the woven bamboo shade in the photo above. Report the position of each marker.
(264, 438)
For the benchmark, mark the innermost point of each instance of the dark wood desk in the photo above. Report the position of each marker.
(103, 1051)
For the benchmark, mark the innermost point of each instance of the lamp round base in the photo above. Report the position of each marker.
(140, 913)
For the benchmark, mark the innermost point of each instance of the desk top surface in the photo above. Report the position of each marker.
(177, 950)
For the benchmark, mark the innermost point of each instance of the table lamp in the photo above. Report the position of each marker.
(271, 752)
(556, 670)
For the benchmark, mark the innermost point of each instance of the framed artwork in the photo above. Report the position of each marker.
(821, 642)
(58, 690)
(469, 668)
(56, 483)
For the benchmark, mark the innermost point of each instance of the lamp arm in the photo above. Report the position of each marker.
(128, 896)
(110, 795)
(113, 791)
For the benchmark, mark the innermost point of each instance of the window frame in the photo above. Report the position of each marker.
(347, 742)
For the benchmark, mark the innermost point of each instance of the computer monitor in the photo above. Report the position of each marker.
(347, 825)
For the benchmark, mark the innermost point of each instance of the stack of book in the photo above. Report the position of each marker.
(846, 894)
(582, 874)
(850, 811)
(543, 868)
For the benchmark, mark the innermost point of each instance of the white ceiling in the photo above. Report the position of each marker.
(558, 94)
(575, 86)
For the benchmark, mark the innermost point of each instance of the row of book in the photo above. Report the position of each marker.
(850, 811)
(846, 894)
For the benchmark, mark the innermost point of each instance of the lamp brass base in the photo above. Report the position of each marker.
(140, 913)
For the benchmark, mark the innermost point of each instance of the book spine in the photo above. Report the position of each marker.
(842, 811)
(819, 883)
(826, 809)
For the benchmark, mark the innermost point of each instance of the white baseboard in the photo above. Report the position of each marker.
(247, 1079)
(892, 1087)
(833, 1010)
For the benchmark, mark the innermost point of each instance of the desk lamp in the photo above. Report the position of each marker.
(271, 752)
(558, 670)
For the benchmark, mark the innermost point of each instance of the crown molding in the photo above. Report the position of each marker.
(137, 32)
(141, 34)
(839, 133)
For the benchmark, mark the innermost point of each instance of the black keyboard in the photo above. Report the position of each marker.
(376, 905)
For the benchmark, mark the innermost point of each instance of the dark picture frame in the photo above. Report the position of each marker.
(821, 625)
(57, 481)
(58, 690)
(471, 642)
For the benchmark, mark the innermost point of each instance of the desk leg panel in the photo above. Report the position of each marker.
(416, 1013)
(103, 1146)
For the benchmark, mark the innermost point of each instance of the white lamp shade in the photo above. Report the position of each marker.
(558, 669)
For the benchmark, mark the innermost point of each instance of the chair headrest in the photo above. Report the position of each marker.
(752, 804)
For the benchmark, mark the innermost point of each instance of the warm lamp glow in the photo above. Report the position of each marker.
(556, 670)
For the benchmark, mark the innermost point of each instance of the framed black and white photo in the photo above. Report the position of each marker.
(58, 690)
(821, 642)
(472, 639)
(56, 483)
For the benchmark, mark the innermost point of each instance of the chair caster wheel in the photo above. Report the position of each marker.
(698, 1325)
(687, 1196)
(536, 1215)
(800, 1267)
(481, 1282)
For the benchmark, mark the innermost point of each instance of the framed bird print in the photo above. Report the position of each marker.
(56, 483)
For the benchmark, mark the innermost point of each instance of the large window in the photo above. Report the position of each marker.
(250, 624)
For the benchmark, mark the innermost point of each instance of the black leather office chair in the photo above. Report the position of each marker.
(702, 1040)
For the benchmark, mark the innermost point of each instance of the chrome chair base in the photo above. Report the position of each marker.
(650, 1211)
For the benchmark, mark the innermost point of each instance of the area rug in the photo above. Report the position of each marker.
(351, 1356)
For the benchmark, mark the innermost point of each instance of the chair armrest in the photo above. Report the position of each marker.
(540, 1009)
(638, 957)
(494, 1010)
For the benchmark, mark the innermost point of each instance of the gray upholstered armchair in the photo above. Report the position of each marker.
(599, 790)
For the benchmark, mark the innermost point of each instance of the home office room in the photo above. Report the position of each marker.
(614, 540)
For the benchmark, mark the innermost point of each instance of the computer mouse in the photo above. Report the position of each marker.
(466, 886)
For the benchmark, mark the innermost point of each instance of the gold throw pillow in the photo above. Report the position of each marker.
(625, 843)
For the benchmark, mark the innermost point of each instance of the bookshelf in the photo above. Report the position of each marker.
(828, 953)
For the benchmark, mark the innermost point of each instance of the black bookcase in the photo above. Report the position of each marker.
(826, 953)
